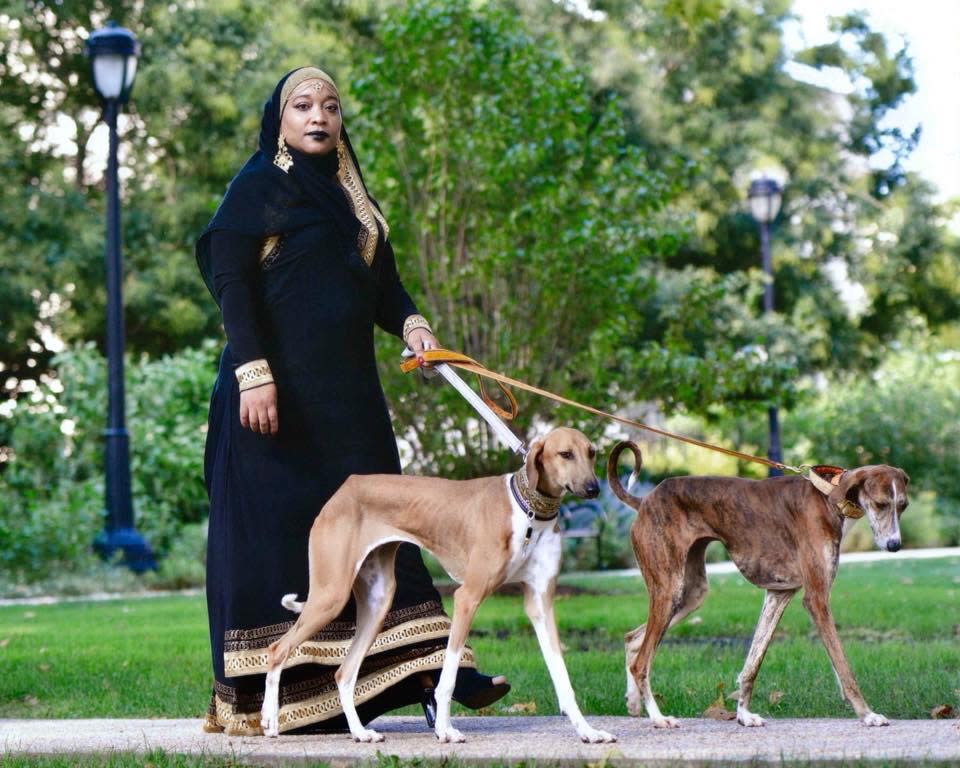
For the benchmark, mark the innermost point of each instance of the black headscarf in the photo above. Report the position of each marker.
(263, 201)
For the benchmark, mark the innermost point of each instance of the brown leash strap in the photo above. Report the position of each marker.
(459, 360)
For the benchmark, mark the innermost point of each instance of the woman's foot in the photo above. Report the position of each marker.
(472, 689)
(476, 691)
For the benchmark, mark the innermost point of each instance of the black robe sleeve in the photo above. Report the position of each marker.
(394, 304)
(235, 259)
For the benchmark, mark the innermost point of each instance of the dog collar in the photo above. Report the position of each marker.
(845, 508)
(532, 502)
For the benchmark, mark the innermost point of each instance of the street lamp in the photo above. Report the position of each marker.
(113, 55)
(765, 195)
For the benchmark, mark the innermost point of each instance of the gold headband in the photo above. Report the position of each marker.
(299, 77)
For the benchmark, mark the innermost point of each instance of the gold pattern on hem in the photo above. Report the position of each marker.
(254, 661)
(223, 716)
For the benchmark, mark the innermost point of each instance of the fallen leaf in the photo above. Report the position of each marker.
(775, 697)
(31, 700)
(5, 642)
(522, 708)
(44, 667)
(717, 711)
(696, 620)
(906, 580)
(29, 614)
(943, 712)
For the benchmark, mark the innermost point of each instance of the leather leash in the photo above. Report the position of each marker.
(459, 360)
(465, 363)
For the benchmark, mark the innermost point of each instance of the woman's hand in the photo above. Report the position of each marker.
(420, 340)
(258, 409)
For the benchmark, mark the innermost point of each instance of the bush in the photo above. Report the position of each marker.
(51, 487)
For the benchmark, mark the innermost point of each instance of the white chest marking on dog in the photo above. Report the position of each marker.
(522, 558)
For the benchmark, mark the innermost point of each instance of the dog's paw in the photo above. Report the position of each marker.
(666, 722)
(449, 735)
(270, 722)
(749, 719)
(873, 719)
(590, 735)
(366, 735)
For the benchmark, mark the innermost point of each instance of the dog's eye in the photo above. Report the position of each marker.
(566, 454)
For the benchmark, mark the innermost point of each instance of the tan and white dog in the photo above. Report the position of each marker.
(783, 534)
(485, 532)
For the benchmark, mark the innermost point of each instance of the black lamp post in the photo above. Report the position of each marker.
(113, 55)
(765, 195)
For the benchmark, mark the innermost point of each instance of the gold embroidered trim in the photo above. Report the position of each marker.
(332, 652)
(544, 507)
(261, 637)
(269, 251)
(365, 211)
(223, 716)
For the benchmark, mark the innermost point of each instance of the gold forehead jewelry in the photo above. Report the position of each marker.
(301, 76)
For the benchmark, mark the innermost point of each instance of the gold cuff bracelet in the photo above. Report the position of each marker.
(412, 323)
(253, 374)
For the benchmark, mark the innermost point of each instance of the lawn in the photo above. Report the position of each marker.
(899, 621)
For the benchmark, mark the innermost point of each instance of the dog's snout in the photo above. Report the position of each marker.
(893, 545)
(592, 489)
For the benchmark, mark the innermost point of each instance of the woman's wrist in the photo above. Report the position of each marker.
(254, 374)
(412, 323)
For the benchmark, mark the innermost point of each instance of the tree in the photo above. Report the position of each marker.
(520, 215)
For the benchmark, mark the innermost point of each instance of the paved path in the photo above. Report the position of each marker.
(546, 740)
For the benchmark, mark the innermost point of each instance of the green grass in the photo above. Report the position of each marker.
(899, 620)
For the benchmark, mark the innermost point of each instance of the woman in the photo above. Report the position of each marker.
(298, 259)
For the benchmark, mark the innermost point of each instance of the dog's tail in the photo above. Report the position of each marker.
(613, 477)
(290, 603)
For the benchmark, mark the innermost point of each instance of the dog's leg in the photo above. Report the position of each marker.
(465, 603)
(774, 603)
(373, 592)
(631, 647)
(321, 608)
(663, 599)
(818, 606)
(538, 602)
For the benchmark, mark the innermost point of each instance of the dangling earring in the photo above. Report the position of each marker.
(282, 159)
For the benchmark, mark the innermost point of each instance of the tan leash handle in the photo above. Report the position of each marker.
(468, 364)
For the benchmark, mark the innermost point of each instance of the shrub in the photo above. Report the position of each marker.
(51, 487)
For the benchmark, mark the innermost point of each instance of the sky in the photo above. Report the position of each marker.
(931, 29)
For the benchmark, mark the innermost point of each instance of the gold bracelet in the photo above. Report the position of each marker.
(253, 374)
(412, 323)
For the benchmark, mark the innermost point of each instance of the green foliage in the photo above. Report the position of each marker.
(51, 489)
(519, 213)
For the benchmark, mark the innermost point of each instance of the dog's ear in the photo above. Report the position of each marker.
(849, 486)
(906, 477)
(534, 454)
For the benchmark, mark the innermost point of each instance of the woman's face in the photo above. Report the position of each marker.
(311, 118)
